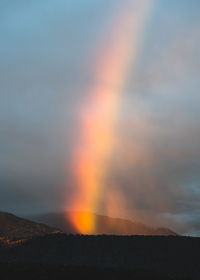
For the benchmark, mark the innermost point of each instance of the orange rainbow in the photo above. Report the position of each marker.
(99, 116)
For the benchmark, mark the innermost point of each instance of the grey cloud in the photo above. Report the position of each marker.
(47, 52)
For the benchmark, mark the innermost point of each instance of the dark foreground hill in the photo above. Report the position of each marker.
(19, 228)
(104, 225)
(62, 272)
(173, 255)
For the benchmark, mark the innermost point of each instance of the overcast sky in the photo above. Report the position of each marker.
(47, 49)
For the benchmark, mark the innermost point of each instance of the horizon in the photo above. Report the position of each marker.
(110, 227)
(34, 218)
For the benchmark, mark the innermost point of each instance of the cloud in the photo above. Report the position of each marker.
(47, 49)
(156, 161)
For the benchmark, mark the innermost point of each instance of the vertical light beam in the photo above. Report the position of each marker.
(99, 115)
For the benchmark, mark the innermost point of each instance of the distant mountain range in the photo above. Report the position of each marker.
(104, 225)
(14, 227)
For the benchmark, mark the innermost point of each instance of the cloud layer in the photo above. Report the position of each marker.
(47, 51)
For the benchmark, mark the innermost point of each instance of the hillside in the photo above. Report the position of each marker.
(104, 225)
(63, 272)
(18, 228)
(172, 255)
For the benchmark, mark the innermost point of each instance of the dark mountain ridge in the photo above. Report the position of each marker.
(104, 225)
(15, 227)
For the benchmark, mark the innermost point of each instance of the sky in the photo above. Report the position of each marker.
(51, 55)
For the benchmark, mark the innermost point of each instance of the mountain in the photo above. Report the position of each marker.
(104, 225)
(14, 227)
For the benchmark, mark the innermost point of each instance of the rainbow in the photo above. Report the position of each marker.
(99, 115)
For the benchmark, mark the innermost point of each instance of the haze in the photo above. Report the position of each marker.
(48, 51)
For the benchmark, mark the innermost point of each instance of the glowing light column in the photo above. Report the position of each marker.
(99, 115)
